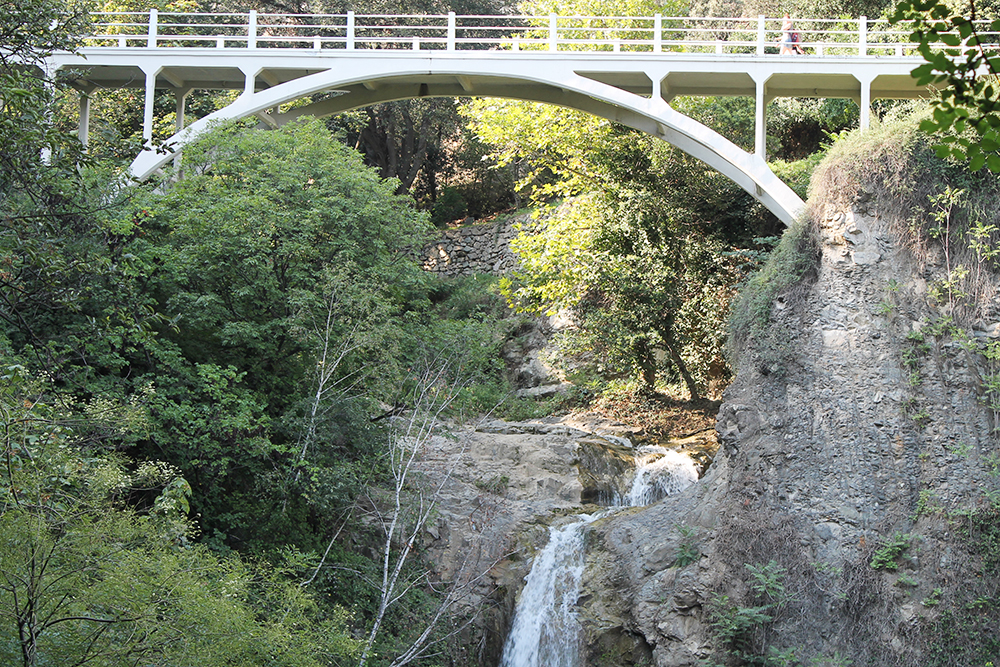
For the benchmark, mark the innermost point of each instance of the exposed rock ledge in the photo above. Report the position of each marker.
(817, 468)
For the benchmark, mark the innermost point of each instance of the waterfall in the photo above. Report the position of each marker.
(545, 632)
(659, 473)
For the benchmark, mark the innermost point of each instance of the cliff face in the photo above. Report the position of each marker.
(830, 528)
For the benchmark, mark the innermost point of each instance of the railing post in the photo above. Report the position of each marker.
(658, 33)
(151, 37)
(350, 31)
(761, 34)
(553, 33)
(252, 30)
(863, 36)
(451, 31)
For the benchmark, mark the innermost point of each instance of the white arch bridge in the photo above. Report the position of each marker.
(626, 69)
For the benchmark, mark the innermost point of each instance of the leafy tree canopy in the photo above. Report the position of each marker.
(962, 61)
(98, 568)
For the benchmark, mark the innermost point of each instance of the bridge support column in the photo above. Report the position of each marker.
(250, 79)
(865, 103)
(181, 94)
(147, 113)
(83, 128)
(760, 120)
(181, 109)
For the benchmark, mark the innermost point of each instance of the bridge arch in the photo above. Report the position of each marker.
(373, 79)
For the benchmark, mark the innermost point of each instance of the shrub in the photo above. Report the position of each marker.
(791, 261)
(450, 206)
(886, 556)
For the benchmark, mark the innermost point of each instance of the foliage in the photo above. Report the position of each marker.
(940, 206)
(980, 529)
(261, 229)
(733, 625)
(887, 555)
(98, 569)
(33, 154)
(687, 550)
(402, 139)
(797, 174)
(450, 206)
(640, 262)
(547, 140)
(786, 267)
(767, 583)
(960, 61)
(965, 635)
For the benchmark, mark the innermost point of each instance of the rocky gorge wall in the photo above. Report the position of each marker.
(850, 517)
(829, 529)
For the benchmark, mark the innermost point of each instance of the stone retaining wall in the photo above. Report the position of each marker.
(483, 248)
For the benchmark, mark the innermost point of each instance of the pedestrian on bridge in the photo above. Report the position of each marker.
(791, 41)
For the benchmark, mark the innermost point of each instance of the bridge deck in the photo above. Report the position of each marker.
(677, 74)
(622, 68)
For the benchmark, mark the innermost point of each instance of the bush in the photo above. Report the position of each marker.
(450, 206)
(791, 261)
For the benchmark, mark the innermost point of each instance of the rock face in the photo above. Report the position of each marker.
(837, 524)
(851, 455)
(501, 484)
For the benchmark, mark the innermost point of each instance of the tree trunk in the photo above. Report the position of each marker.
(672, 347)
(646, 362)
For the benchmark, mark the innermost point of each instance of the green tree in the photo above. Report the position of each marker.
(32, 151)
(249, 231)
(272, 250)
(97, 568)
(961, 59)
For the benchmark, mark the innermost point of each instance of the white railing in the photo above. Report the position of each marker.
(451, 32)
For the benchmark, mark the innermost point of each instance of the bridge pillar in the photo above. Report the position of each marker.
(250, 79)
(181, 97)
(83, 128)
(760, 120)
(865, 103)
(147, 114)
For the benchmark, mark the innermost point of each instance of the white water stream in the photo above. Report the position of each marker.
(545, 632)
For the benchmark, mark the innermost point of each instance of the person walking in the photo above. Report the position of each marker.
(790, 42)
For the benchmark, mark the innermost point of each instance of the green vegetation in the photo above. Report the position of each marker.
(894, 169)
(742, 631)
(785, 269)
(965, 113)
(210, 384)
(687, 550)
(888, 554)
(99, 563)
(199, 380)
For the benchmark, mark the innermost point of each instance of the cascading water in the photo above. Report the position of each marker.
(545, 632)
(659, 473)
